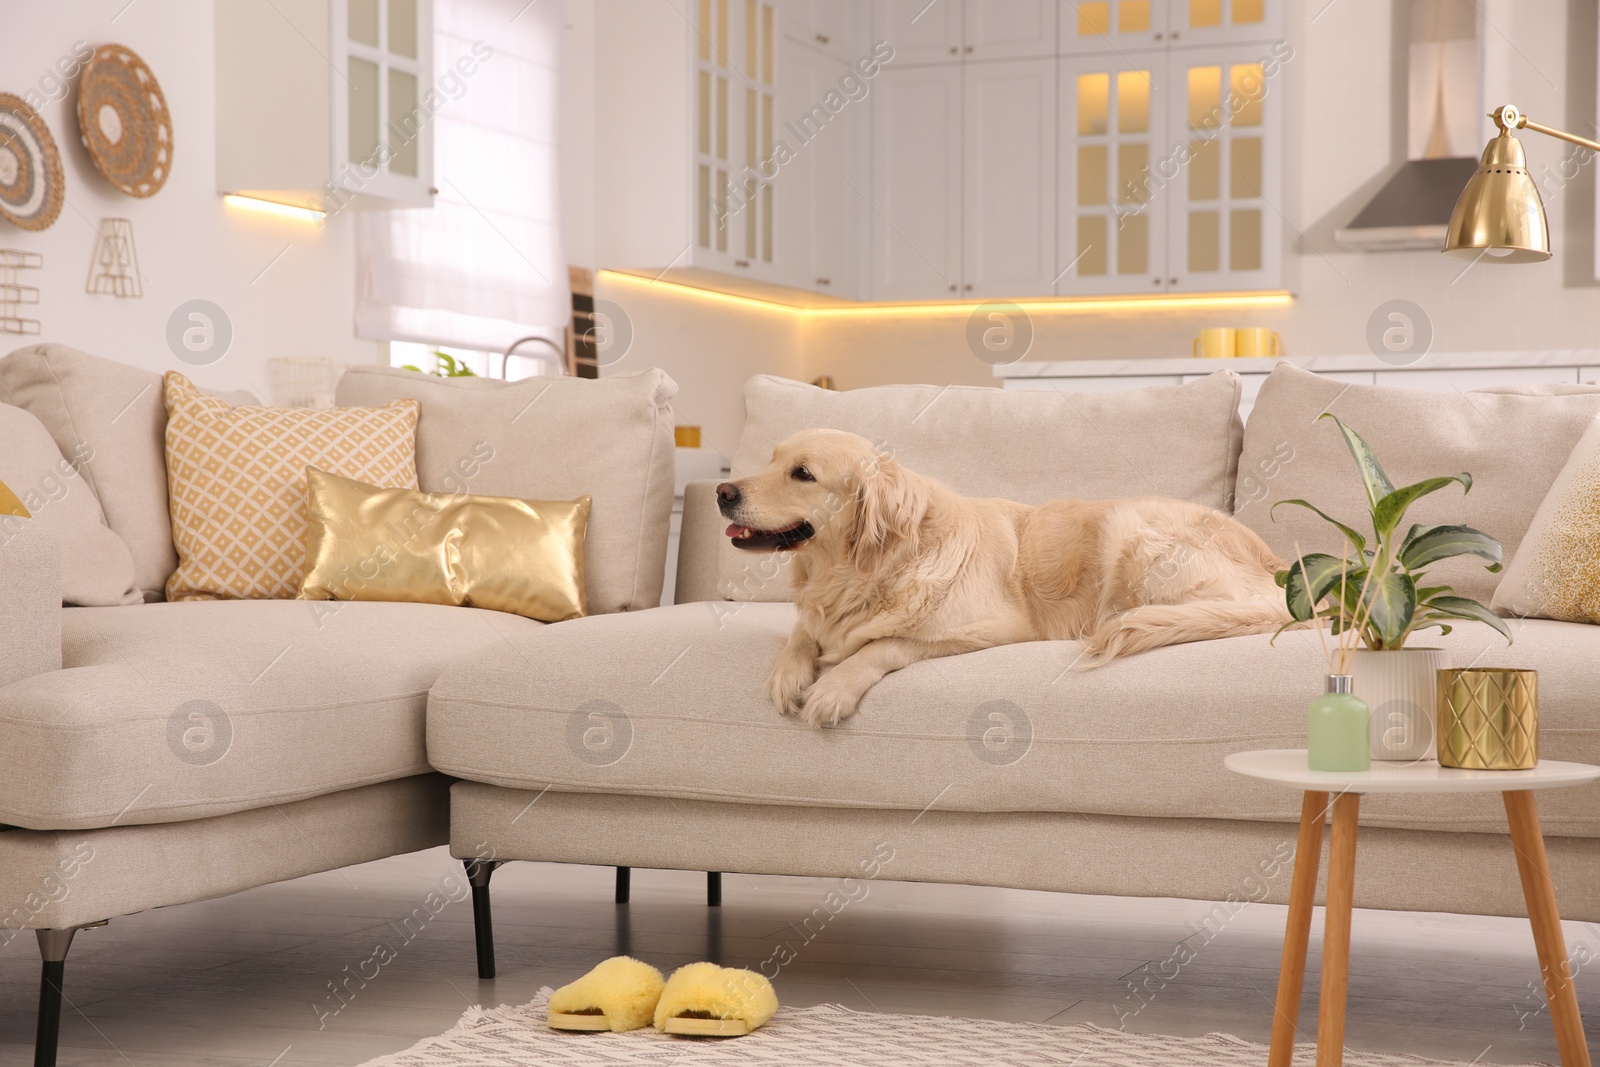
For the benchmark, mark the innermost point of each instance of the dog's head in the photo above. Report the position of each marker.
(829, 488)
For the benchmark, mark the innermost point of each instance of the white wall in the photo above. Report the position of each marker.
(287, 286)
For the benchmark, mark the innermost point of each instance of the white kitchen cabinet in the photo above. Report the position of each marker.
(833, 27)
(823, 210)
(916, 183)
(1008, 29)
(920, 31)
(1214, 22)
(1100, 26)
(1095, 26)
(949, 31)
(1008, 178)
(1171, 171)
(320, 103)
(735, 115)
(1113, 222)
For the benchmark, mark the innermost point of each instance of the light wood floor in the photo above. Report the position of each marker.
(245, 980)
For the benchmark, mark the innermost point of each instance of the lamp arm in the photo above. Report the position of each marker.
(1509, 118)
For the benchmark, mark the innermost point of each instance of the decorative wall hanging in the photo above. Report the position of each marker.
(123, 121)
(30, 167)
(13, 294)
(115, 266)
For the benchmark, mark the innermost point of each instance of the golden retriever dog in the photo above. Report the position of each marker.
(891, 567)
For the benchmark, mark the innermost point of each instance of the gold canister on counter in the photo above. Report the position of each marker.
(1488, 718)
(1256, 341)
(1214, 342)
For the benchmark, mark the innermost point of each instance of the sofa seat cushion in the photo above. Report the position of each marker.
(167, 712)
(671, 703)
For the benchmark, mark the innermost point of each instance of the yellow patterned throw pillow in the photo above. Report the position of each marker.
(497, 552)
(236, 479)
(1556, 571)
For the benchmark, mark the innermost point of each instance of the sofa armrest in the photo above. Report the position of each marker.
(699, 539)
(30, 600)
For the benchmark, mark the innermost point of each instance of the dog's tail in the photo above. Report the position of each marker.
(1156, 625)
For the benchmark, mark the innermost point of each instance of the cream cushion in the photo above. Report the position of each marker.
(553, 439)
(317, 697)
(96, 567)
(1513, 443)
(1556, 571)
(236, 478)
(1034, 446)
(672, 703)
(115, 412)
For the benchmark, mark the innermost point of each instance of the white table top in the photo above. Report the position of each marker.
(1287, 766)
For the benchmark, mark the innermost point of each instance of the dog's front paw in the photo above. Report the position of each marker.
(788, 683)
(828, 702)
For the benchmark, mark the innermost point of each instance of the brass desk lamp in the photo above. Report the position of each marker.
(1499, 213)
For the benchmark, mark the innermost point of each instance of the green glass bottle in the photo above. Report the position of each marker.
(1337, 726)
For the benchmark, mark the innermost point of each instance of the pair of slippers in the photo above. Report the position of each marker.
(701, 999)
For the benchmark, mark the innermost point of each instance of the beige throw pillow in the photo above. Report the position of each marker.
(96, 568)
(236, 478)
(553, 439)
(1556, 571)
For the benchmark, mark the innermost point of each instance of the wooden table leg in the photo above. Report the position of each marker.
(1540, 893)
(1336, 930)
(1297, 932)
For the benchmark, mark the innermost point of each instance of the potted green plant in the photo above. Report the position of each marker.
(1378, 588)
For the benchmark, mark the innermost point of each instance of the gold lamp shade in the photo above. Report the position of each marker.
(1499, 213)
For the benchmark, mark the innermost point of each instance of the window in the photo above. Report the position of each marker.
(484, 265)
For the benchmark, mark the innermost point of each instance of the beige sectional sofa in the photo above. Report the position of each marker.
(157, 753)
(647, 738)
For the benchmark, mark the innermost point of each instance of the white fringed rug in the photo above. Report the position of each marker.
(831, 1036)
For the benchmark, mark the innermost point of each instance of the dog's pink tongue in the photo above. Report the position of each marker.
(734, 530)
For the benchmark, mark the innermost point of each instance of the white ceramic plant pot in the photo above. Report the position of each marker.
(1401, 688)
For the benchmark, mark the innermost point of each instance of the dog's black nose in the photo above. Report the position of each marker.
(727, 493)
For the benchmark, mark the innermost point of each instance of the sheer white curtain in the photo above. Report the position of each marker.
(485, 265)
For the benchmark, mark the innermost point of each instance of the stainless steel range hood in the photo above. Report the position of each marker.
(1443, 87)
(1412, 209)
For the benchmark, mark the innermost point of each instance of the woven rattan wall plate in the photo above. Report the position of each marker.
(30, 167)
(124, 122)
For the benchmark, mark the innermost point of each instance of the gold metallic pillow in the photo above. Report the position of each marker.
(497, 552)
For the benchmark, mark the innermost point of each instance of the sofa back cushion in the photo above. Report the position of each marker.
(553, 439)
(1513, 443)
(1033, 446)
(96, 568)
(112, 415)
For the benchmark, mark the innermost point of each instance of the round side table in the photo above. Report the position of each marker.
(1288, 767)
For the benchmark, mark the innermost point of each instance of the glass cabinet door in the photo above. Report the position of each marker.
(1226, 222)
(1112, 193)
(1101, 26)
(1208, 22)
(386, 144)
(735, 102)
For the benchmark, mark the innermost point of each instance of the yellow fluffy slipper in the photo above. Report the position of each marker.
(710, 1001)
(617, 995)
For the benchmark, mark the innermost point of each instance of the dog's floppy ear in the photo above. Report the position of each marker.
(891, 503)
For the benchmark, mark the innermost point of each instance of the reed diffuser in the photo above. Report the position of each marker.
(1337, 723)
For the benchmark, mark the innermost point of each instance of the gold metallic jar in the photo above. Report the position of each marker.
(1489, 719)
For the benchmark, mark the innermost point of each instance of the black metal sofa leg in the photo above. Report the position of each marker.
(53, 946)
(713, 889)
(624, 884)
(478, 873)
